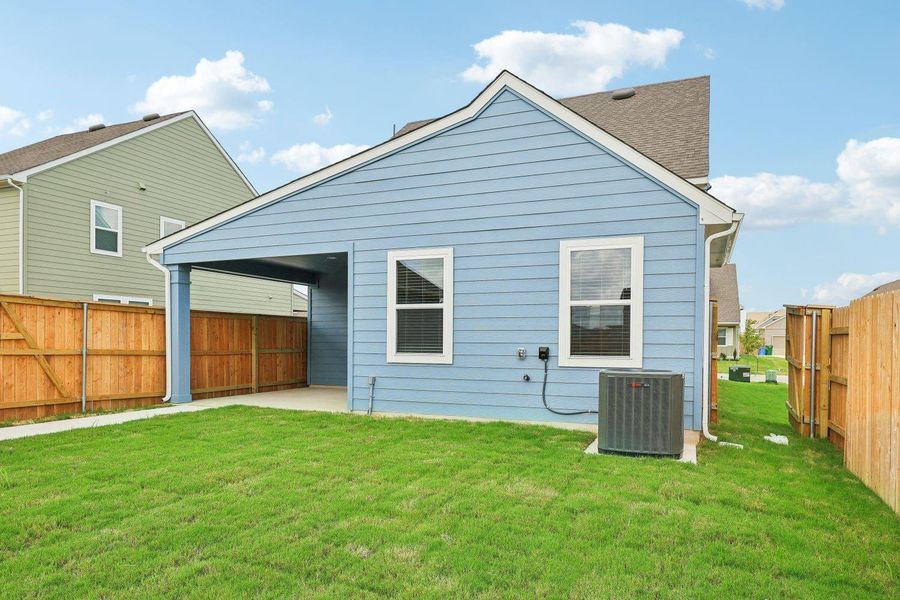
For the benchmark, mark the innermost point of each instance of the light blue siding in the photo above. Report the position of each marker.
(328, 330)
(502, 189)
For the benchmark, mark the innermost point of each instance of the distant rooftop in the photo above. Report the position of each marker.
(723, 286)
(60, 146)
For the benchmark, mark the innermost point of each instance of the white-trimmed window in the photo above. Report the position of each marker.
(114, 299)
(106, 228)
(169, 226)
(420, 306)
(601, 302)
(722, 336)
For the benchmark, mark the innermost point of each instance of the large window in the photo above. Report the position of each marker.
(106, 228)
(169, 226)
(114, 299)
(601, 302)
(420, 306)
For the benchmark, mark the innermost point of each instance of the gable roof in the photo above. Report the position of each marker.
(711, 209)
(723, 287)
(667, 121)
(46, 154)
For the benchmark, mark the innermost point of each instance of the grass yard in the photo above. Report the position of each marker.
(758, 364)
(239, 501)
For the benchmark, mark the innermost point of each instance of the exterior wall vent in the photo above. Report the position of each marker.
(641, 412)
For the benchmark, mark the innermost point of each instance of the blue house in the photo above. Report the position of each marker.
(440, 260)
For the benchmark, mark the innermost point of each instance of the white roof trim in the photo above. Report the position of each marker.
(23, 175)
(712, 210)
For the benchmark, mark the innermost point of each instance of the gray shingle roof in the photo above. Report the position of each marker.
(723, 286)
(60, 146)
(668, 122)
(891, 286)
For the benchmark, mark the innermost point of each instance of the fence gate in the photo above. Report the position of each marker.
(808, 354)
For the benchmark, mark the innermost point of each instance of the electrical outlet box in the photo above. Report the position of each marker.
(544, 353)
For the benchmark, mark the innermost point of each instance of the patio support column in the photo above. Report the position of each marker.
(180, 332)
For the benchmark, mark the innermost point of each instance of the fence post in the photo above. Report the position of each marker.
(824, 381)
(254, 353)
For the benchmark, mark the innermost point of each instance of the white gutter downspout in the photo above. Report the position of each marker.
(706, 326)
(165, 271)
(21, 234)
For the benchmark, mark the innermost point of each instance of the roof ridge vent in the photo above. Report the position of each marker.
(150, 117)
(96, 127)
(623, 93)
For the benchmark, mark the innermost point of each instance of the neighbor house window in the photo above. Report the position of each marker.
(722, 335)
(113, 299)
(420, 306)
(601, 300)
(169, 226)
(106, 228)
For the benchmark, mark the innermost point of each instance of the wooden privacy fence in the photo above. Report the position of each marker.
(850, 385)
(46, 353)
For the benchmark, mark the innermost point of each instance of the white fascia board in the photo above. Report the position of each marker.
(23, 175)
(712, 210)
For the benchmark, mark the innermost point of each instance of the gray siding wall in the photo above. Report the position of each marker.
(502, 189)
(186, 178)
(9, 240)
(328, 331)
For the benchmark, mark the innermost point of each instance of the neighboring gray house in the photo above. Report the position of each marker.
(514, 222)
(771, 327)
(723, 287)
(76, 209)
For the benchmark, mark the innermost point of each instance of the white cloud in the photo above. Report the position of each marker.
(249, 154)
(849, 286)
(13, 122)
(572, 63)
(324, 118)
(765, 4)
(223, 92)
(867, 191)
(305, 158)
(45, 115)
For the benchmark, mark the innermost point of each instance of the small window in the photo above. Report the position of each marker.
(722, 335)
(113, 299)
(420, 306)
(169, 226)
(601, 302)
(106, 228)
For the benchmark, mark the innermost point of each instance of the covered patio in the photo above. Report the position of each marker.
(321, 398)
(327, 273)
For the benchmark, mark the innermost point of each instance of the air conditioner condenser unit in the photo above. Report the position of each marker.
(641, 412)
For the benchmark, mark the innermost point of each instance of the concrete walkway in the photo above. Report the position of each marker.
(21, 431)
(316, 398)
(756, 378)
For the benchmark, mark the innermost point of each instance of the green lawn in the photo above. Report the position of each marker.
(758, 364)
(239, 501)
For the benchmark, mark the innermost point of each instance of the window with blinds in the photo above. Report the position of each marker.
(420, 307)
(601, 299)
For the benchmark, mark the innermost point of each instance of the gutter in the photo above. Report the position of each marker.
(10, 181)
(707, 381)
(165, 271)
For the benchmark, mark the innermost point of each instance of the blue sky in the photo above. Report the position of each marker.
(805, 130)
